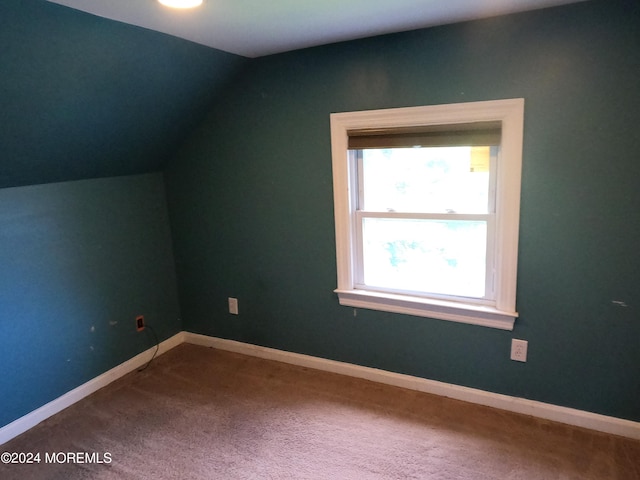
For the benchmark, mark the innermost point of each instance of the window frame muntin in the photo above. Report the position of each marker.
(511, 115)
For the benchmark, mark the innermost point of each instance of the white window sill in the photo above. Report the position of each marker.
(426, 307)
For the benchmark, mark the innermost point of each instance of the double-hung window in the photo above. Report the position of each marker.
(427, 210)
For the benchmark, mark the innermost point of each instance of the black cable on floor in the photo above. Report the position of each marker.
(157, 348)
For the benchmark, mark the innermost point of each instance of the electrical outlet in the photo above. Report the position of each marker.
(519, 350)
(140, 323)
(233, 306)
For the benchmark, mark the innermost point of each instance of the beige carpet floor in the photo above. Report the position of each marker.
(200, 413)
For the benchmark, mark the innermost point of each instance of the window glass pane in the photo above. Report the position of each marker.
(431, 256)
(429, 180)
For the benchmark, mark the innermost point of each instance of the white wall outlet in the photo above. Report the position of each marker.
(233, 306)
(519, 350)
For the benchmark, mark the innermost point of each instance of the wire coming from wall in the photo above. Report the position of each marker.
(157, 348)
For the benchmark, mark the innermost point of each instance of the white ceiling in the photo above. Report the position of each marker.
(253, 28)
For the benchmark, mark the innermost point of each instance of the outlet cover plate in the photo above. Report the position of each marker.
(233, 306)
(519, 350)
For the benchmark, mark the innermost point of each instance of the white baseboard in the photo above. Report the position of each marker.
(569, 416)
(579, 418)
(31, 419)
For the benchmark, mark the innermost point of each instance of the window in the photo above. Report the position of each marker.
(427, 210)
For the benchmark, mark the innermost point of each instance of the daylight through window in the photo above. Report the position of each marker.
(427, 210)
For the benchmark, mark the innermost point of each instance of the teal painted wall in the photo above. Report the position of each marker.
(82, 97)
(251, 203)
(85, 97)
(80, 260)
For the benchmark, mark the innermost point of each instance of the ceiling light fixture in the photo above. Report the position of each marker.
(181, 3)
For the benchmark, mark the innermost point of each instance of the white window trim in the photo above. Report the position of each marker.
(510, 113)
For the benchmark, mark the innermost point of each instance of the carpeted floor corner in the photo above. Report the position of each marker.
(201, 413)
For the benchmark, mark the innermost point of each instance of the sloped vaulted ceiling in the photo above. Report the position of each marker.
(254, 28)
(83, 96)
